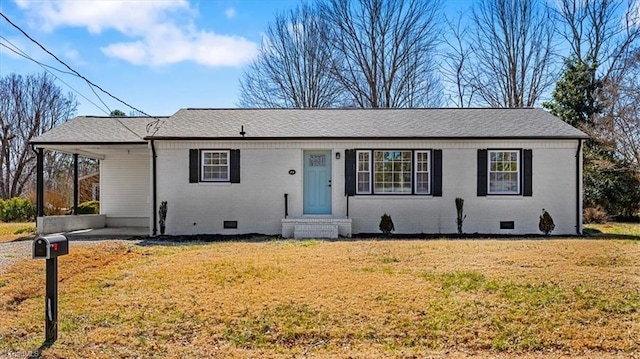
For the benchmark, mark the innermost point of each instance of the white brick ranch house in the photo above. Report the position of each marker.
(324, 172)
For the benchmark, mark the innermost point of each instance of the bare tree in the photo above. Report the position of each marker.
(455, 61)
(600, 31)
(293, 66)
(28, 106)
(385, 50)
(619, 124)
(511, 43)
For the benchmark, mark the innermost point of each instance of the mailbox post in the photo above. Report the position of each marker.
(50, 248)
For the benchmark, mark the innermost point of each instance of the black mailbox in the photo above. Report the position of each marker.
(48, 247)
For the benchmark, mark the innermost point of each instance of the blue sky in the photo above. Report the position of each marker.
(158, 56)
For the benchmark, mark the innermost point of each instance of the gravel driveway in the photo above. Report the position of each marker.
(11, 252)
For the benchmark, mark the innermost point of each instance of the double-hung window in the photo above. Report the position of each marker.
(363, 172)
(422, 172)
(395, 171)
(212, 165)
(504, 172)
(215, 165)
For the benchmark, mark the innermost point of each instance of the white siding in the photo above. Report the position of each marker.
(125, 188)
(257, 203)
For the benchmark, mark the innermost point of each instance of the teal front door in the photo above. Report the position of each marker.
(317, 182)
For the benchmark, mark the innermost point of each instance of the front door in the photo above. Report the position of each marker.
(317, 182)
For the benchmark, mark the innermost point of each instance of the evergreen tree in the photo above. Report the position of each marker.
(575, 98)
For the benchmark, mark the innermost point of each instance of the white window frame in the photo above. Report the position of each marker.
(373, 156)
(358, 171)
(416, 171)
(518, 172)
(203, 165)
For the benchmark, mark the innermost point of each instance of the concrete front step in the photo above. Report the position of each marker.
(301, 231)
(300, 228)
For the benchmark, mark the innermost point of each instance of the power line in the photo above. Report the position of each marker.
(76, 73)
(16, 50)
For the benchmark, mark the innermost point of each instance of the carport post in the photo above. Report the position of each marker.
(76, 191)
(40, 182)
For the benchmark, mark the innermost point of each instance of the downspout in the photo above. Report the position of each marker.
(347, 206)
(155, 190)
(578, 185)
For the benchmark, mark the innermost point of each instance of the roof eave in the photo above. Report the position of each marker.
(360, 138)
(101, 143)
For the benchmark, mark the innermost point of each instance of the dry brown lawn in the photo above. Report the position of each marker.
(11, 231)
(344, 299)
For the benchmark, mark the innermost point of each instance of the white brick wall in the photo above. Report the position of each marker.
(257, 203)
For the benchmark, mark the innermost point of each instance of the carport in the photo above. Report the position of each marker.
(126, 204)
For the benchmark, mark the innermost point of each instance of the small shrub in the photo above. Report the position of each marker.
(595, 214)
(461, 216)
(30, 229)
(386, 224)
(89, 207)
(546, 224)
(163, 216)
(17, 209)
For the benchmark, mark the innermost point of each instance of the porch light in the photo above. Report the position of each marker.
(337, 155)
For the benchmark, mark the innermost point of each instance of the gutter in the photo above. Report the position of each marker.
(155, 187)
(578, 185)
(356, 138)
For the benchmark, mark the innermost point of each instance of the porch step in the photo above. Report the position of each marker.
(301, 231)
(330, 228)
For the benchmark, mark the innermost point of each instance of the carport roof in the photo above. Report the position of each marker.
(98, 130)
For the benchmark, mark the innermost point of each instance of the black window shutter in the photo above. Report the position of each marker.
(194, 165)
(482, 172)
(527, 188)
(234, 166)
(436, 191)
(350, 172)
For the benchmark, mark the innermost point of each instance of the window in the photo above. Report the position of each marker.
(215, 166)
(504, 172)
(392, 171)
(422, 172)
(363, 172)
(405, 172)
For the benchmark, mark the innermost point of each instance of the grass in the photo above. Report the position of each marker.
(357, 299)
(613, 229)
(12, 231)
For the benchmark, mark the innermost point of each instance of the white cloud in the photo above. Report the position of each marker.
(161, 32)
(230, 13)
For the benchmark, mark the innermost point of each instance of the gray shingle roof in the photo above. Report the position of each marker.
(317, 123)
(365, 123)
(91, 129)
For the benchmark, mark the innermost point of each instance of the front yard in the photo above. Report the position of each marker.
(357, 299)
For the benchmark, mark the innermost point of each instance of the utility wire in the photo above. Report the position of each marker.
(16, 50)
(76, 73)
